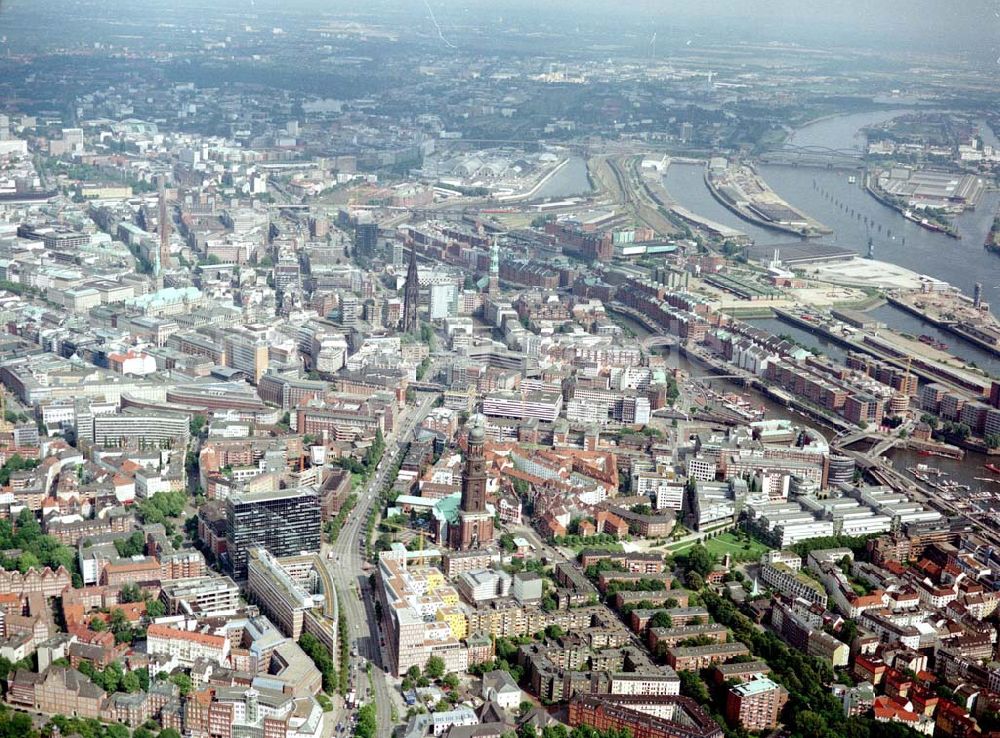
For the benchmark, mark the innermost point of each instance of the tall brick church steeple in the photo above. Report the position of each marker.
(475, 523)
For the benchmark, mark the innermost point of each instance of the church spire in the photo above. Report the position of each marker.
(494, 285)
(411, 294)
(474, 527)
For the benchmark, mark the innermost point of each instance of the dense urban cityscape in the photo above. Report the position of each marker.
(480, 370)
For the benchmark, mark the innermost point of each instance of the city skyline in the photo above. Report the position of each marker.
(440, 369)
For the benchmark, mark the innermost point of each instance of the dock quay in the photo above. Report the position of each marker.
(954, 328)
(879, 349)
(715, 229)
(761, 206)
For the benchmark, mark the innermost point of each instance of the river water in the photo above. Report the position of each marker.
(908, 323)
(827, 196)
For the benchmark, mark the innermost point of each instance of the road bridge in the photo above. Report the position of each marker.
(849, 439)
(651, 342)
(817, 156)
(883, 446)
(426, 387)
(882, 442)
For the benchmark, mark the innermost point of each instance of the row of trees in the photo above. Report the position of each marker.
(857, 544)
(598, 539)
(344, 674)
(321, 657)
(637, 585)
(668, 604)
(811, 711)
(36, 549)
(367, 726)
(114, 679)
(374, 453)
(84, 727)
(371, 458)
(528, 730)
(334, 526)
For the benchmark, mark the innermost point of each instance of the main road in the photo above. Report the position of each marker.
(347, 562)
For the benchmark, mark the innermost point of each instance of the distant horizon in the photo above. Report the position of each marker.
(970, 27)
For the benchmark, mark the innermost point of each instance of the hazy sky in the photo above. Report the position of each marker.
(844, 22)
(936, 25)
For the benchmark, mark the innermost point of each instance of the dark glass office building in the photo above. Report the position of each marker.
(285, 522)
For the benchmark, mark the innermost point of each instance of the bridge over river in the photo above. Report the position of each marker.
(814, 156)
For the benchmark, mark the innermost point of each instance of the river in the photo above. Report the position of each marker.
(841, 131)
(828, 196)
(959, 262)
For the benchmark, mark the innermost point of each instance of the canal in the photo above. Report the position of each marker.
(569, 181)
(967, 471)
(675, 361)
(801, 336)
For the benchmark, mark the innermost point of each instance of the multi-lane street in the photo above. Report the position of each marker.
(347, 566)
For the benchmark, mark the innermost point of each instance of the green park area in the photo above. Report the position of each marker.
(739, 546)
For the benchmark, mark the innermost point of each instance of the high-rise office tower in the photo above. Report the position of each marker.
(285, 522)
(247, 353)
(365, 238)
